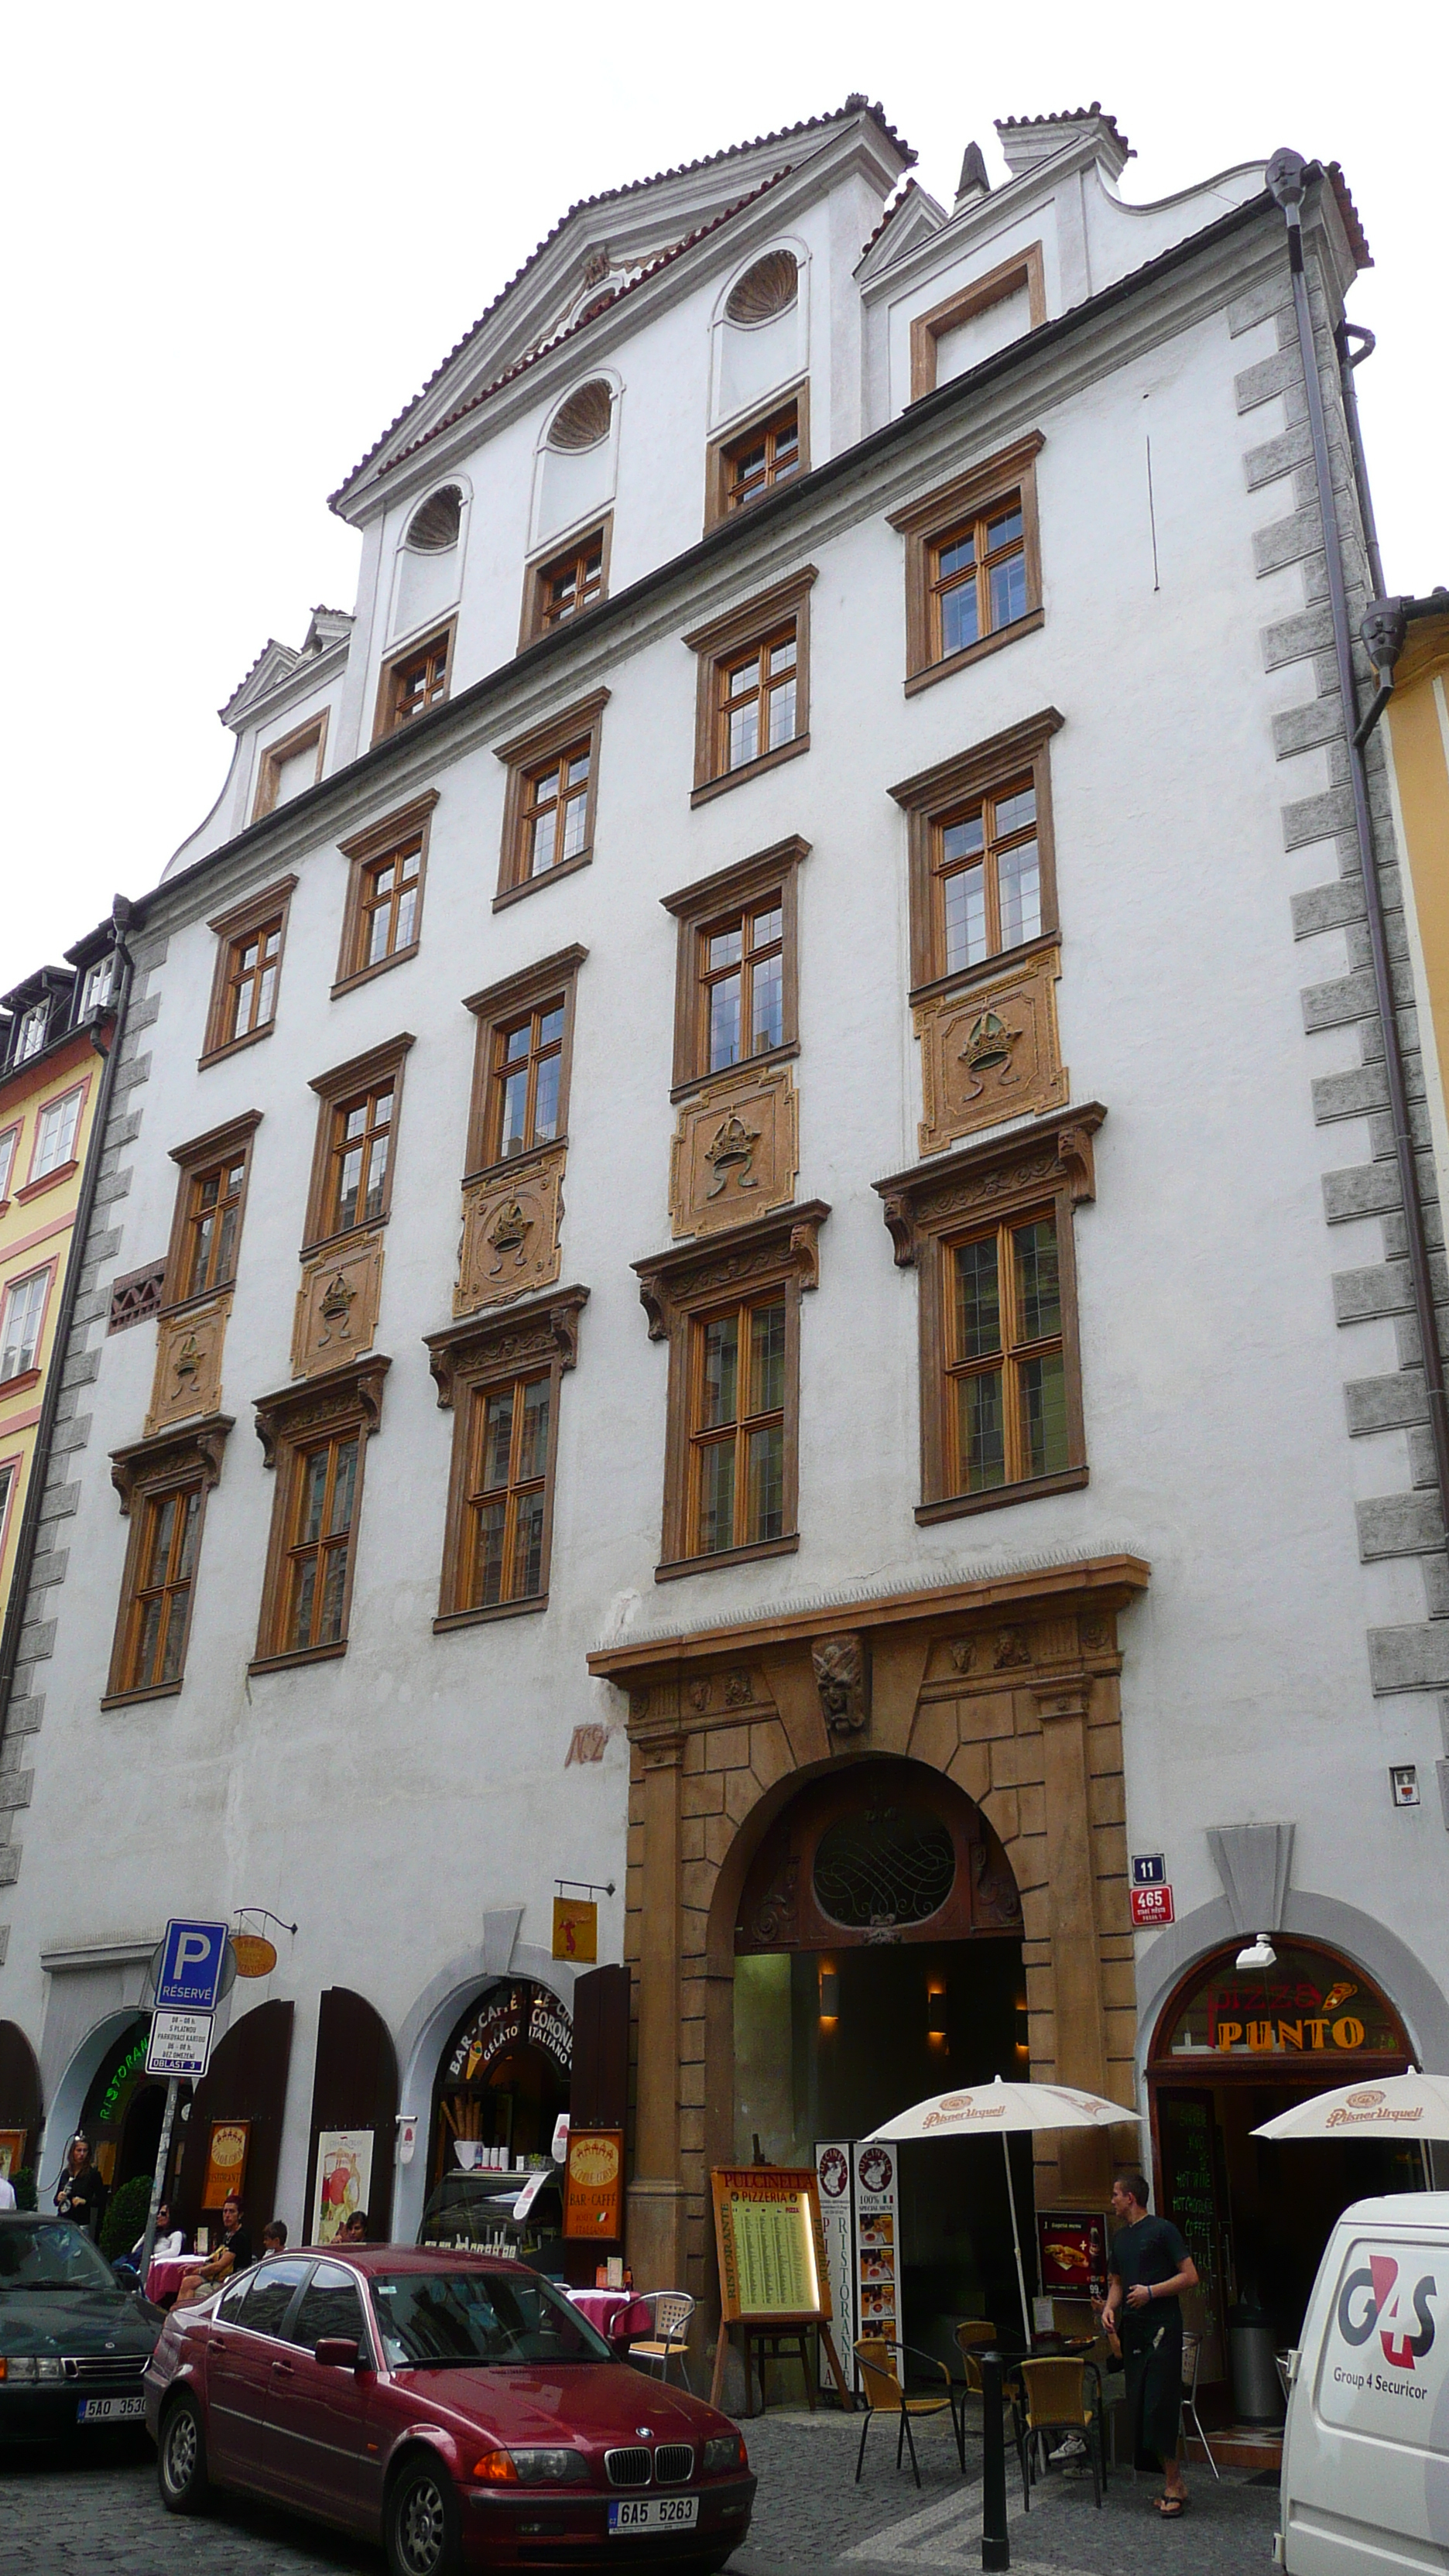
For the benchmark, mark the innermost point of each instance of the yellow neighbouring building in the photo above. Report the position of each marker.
(1415, 731)
(55, 1030)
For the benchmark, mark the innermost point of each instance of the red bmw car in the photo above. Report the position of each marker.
(454, 2406)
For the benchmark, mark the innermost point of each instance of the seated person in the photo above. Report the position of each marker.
(233, 2254)
(169, 2239)
(274, 2237)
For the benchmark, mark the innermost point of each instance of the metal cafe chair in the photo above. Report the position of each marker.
(884, 2395)
(974, 2336)
(671, 2311)
(1055, 2400)
(1191, 2359)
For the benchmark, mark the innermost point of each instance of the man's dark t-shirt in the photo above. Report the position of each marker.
(239, 2247)
(1150, 2250)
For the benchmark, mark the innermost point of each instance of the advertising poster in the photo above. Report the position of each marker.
(12, 2151)
(226, 2161)
(834, 2176)
(877, 2242)
(1072, 2250)
(344, 2179)
(594, 2191)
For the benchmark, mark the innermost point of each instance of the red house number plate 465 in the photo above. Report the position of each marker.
(1151, 1905)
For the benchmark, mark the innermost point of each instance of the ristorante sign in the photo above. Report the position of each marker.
(520, 2015)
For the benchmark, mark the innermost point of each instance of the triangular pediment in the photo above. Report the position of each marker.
(915, 217)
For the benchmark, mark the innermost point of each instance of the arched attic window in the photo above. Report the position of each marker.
(765, 291)
(582, 421)
(433, 528)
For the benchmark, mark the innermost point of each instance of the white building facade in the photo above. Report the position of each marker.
(763, 1089)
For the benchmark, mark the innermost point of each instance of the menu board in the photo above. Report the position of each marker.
(877, 2241)
(835, 2179)
(771, 2255)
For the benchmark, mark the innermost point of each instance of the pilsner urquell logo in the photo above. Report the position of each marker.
(1387, 2308)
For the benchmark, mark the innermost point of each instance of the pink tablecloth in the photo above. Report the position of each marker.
(167, 2273)
(613, 2312)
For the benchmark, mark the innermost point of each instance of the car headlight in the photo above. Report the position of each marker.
(553, 2468)
(725, 2451)
(17, 2369)
(22, 2370)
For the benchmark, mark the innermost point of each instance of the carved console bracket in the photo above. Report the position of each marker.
(152, 1462)
(842, 1677)
(1053, 1151)
(545, 1329)
(788, 1241)
(320, 1402)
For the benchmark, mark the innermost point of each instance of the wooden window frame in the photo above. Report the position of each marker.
(678, 1290)
(498, 1007)
(522, 757)
(364, 852)
(720, 453)
(695, 908)
(276, 755)
(953, 1199)
(388, 719)
(1022, 271)
(229, 1144)
(930, 799)
(534, 621)
(724, 640)
(536, 1337)
(290, 1424)
(144, 1473)
(232, 929)
(360, 1073)
(36, 1183)
(925, 524)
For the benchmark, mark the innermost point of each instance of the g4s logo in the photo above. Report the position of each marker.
(1387, 2308)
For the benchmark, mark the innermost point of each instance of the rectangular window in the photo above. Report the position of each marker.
(352, 1169)
(754, 696)
(289, 767)
(210, 1199)
(55, 1133)
(414, 682)
(31, 1034)
(160, 1604)
(316, 1437)
(737, 971)
(96, 990)
(569, 582)
(731, 1317)
(737, 1429)
(548, 818)
(324, 1496)
(248, 969)
(383, 911)
(973, 565)
(1021, 276)
(501, 1376)
(525, 1043)
(982, 873)
(747, 463)
(9, 1140)
(1001, 1390)
(24, 1311)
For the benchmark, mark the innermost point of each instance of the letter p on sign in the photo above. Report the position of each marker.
(193, 1960)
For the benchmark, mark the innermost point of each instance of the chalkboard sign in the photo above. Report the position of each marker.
(771, 2251)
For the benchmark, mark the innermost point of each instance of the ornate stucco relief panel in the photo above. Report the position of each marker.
(188, 1364)
(337, 1304)
(511, 1241)
(990, 1053)
(736, 1151)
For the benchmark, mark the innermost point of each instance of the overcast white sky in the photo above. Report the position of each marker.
(240, 239)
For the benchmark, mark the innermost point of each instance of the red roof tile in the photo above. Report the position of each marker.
(1357, 238)
(1069, 116)
(911, 189)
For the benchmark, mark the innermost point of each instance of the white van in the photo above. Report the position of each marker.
(1366, 2448)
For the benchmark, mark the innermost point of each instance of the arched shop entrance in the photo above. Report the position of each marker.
(503, 2077)
(1232, 2048)
(123, 2110)
(878, 1960)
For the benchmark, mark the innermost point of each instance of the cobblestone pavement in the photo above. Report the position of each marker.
(97, 2510)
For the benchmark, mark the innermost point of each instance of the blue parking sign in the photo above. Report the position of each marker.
(193, 1960)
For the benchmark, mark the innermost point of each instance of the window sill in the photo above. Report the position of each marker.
(19, 1384)
(1002, 962)
(484, 1618)
(338, 1243)
(379, 966)
(301, 1655)
(673, 1568)
(199, 1297)
(524, 1162)
(745, 1064)
(233, 1046)
(137, 1698)
(977, 652)
(711, 787)
(549, 876)
(48, 1181)
(955, 1506)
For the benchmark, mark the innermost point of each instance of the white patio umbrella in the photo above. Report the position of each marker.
(997, 2109)
(1412, 2107)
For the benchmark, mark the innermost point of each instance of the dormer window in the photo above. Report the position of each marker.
(743, 467)
(96, 990)
(433, 529)
(414, 682)
(30, 1035)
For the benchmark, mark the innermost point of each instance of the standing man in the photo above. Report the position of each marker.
(1149, 2268)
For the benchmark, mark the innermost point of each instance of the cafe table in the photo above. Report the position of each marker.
(167, 2273)
(613, 2313)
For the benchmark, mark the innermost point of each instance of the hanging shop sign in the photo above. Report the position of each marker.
(254, 1956)
(1072, 2250)
(1308, 2004)
(520, 2015)
(226, 2162)
(576, 1929)
(594, 2188)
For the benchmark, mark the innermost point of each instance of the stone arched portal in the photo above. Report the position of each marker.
(1010, 1688)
